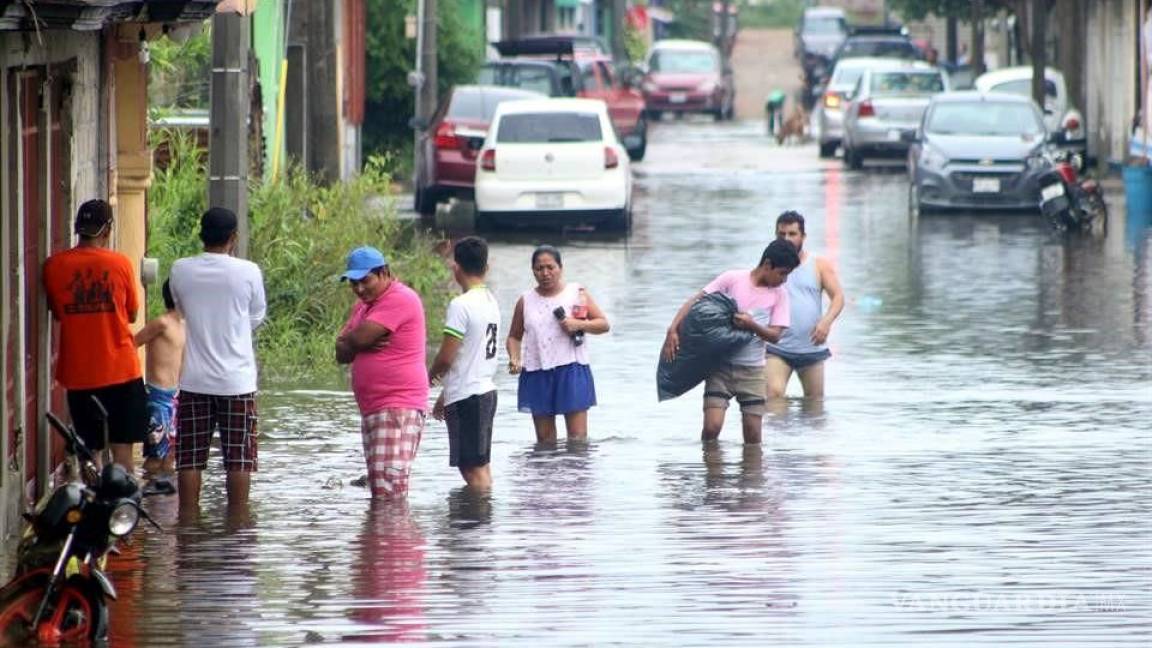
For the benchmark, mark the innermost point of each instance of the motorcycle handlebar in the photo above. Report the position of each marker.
(75, 443)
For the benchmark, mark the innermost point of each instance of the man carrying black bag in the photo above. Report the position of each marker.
(762, 305)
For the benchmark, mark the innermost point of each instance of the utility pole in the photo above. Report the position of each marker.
(424, 80)
(619, 9)
(228, 135)
(1039, 51)
(977, 54)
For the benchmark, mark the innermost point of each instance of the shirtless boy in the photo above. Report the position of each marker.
(163, 339)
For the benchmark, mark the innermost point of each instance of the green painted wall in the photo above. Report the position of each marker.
(471, 13)
(268, 43)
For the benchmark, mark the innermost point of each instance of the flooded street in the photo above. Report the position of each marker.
(979, 473)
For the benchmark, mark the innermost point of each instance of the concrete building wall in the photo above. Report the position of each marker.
(1111, 74)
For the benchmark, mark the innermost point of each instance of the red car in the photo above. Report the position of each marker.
(579, 70)
(688, 77)
(452, 139)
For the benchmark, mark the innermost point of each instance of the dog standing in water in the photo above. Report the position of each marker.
(795, 128)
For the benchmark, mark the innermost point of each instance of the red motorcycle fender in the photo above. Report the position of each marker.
(105, 583)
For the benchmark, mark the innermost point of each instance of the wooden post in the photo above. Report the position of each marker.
(228, 135)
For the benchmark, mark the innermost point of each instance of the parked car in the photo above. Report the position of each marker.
(887, 102)
(976, 150)
(452, 140)
(877, 42)
(553, 161)
(1059, 113)
(572, 66)
(828, 114)
(820, 32)
(684, 76)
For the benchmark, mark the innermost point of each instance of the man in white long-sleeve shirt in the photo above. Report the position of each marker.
(222, 299)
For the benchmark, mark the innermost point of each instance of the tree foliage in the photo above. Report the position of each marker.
(391, 56)
(919, 9)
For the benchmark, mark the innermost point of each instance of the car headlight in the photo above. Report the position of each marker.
(123, 519)
(1037, 160)
(932, 158)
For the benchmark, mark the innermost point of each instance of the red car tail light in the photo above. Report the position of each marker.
(611, 161)
(1071, 123)
(866, 109)
(488, 160)
(446, 136)
(831, 100)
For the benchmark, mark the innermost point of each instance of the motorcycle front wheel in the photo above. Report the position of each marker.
(75, 615)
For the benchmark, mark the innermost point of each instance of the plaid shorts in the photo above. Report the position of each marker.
(391, 437)
(200, 415)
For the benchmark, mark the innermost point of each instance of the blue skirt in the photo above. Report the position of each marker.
(562, 390)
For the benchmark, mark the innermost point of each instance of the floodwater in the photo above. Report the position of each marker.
(978, 475)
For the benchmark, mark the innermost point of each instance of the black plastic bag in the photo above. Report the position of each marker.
(708, 339)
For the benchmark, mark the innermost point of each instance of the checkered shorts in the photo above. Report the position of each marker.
(391, 437)
(199, 416)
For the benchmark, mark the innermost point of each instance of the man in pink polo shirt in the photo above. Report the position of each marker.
(384, 341)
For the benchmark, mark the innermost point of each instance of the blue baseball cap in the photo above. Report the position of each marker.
(363, 260)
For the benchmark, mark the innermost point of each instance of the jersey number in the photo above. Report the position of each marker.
(490, 347)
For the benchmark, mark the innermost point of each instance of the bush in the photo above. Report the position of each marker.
(774, 14)
(300, 233)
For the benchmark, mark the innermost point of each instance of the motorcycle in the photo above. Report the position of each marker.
(59, 592)
(1068, 201)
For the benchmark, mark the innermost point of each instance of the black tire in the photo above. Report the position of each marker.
(424, 201)
(655, 115)
(483, 222)
(619, 221)
(852, 159)
(827, 149)
(636, 153)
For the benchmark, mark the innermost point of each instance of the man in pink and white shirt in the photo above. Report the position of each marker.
(385, 342)
(763, 302)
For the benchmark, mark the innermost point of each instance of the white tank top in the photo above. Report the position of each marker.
(545, 344)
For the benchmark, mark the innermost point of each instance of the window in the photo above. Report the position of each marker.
(536, 128)
(684, 61)
(1023, 87)
(912, 83)
(986, 118)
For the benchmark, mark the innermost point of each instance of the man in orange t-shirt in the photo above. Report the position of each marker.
(92, 292)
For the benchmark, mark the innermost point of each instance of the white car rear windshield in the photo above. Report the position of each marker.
(914, 83)
(683, 62)
(984, 118)
(537, 128)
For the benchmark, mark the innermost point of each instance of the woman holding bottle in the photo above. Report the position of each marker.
(546, 348)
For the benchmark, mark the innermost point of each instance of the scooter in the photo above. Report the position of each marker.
(59, 592)
(1068, 201)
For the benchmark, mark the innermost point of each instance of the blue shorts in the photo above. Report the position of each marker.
(161, 422)
(562, 390)
(798, 361)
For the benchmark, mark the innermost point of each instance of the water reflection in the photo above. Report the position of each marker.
(388, 580)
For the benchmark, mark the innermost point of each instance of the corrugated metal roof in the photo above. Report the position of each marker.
(89, 15)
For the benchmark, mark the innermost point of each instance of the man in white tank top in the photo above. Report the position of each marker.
(803, 347)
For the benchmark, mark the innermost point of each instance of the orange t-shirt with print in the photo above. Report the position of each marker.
(92, 292)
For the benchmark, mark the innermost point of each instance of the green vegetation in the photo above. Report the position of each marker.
(300, 234)
(772, 14)
(178, 75)
(390, 56)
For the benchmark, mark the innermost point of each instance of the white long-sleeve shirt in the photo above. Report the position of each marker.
(222, 299)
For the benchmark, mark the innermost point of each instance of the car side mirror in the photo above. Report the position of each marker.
(419, 123)
(909, 137)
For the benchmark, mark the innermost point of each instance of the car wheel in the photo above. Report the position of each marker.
(636, 153)
(827, 149)
(655, 115)
(424, 201)
(483, 222)
(620, 220)
(852, 158)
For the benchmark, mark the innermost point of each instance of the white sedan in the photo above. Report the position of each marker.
(1060, 116)
(554, 161)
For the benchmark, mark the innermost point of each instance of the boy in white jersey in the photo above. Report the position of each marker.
(466, 364)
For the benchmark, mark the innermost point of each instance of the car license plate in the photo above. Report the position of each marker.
(986, 185)
(1052, 191)
(549, 200)
(893, 136)
(677, 97)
